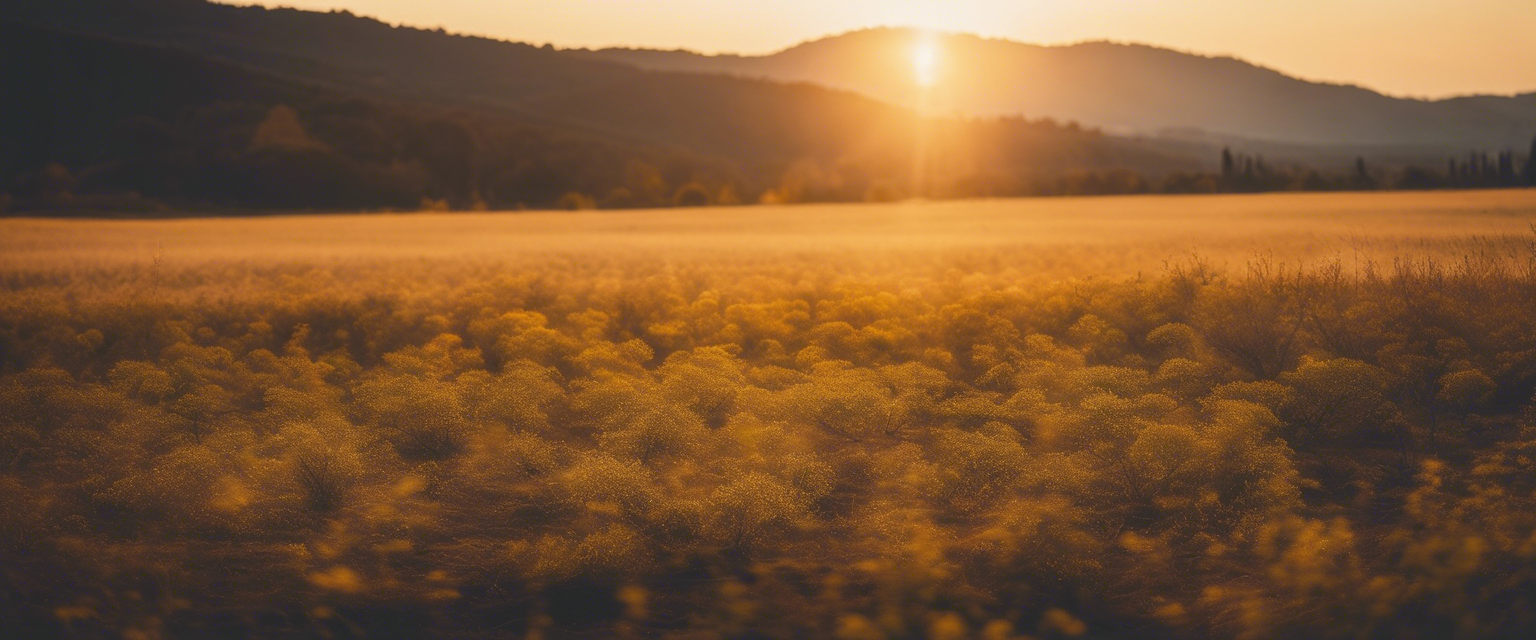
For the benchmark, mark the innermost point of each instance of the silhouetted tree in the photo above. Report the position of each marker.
(1530, 164)
(1507, 168)
(692, 194)
(1362, 176)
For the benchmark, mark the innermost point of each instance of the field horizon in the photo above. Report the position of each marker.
(1312, 226)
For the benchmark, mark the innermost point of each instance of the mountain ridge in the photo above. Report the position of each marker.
(1068, 44)
(1084, 79)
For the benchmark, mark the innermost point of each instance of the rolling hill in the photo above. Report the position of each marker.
(740, 118)
(1124, 88)
(176, 103)
(754, 136)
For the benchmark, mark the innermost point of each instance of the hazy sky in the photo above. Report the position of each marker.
(1402, 47)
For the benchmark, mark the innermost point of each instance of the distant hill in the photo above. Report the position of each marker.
(1125, 88)
(91, 123)
(739, 118)
(737, 138)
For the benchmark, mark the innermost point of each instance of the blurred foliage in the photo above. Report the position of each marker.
(613, 446)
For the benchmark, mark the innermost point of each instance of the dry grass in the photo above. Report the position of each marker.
(1226, 416)
(1068, 236)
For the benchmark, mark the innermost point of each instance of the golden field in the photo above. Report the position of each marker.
(1217, 416)
(1135, 231)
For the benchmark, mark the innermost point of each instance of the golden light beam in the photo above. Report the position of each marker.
(925, 61)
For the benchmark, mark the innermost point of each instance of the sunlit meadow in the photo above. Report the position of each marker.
(1228, 416)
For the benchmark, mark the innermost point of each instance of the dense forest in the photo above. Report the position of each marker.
(944, 445)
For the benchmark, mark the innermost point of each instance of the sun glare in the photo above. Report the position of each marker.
(925, 61)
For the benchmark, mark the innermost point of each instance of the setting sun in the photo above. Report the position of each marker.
(925, 61)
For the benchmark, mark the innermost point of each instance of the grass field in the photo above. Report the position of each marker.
(1218, 416)
(1136, 232)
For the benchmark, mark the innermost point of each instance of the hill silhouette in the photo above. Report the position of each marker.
(645, 136)
(89, 116)
(1124, 87)
(149, 105)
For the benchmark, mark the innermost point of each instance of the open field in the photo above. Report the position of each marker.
(1220, 416)
(1134, 232)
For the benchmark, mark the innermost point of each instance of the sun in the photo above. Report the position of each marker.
(925, 61)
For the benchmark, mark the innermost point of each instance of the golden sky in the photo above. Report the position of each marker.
(1422, 48)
